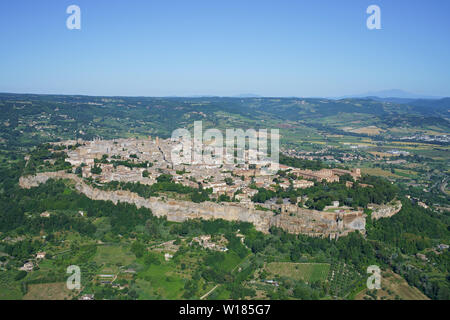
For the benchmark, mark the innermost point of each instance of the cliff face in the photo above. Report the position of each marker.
(314, 223)
(386, 211)
(174, 210)
(179, 211)
(318, 223)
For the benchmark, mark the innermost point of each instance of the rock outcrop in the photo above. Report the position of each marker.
(385, 211)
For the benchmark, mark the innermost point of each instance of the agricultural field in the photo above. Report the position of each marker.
(393, 287)
(160, 282)
(343, 279)
(378, 172)
(113, 257)
(308, 272)
(48, 291)
(370, 130)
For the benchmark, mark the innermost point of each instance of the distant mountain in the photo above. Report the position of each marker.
(393, 100)
(425, 106)
(243, 95)
(393, 95)
(247, 95)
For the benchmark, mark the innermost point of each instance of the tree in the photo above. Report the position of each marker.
(293, 199)
(96, 169)
(165, 178)
(228, 181)
(79, 171)
(138, 249)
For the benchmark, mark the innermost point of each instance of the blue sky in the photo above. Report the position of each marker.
(224, 47)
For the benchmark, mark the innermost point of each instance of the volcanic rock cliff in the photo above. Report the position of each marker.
(310, 222)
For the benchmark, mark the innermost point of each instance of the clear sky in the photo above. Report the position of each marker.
(224, 47)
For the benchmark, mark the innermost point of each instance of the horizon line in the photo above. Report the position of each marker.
(249, 96)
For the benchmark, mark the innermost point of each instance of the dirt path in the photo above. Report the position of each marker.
(209, 292)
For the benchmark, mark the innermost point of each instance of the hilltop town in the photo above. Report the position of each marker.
(140, 171)
(144, 160)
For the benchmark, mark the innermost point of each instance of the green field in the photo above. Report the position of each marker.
(308, 272)
(113, 256)
(9, 290)
(160, 282)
